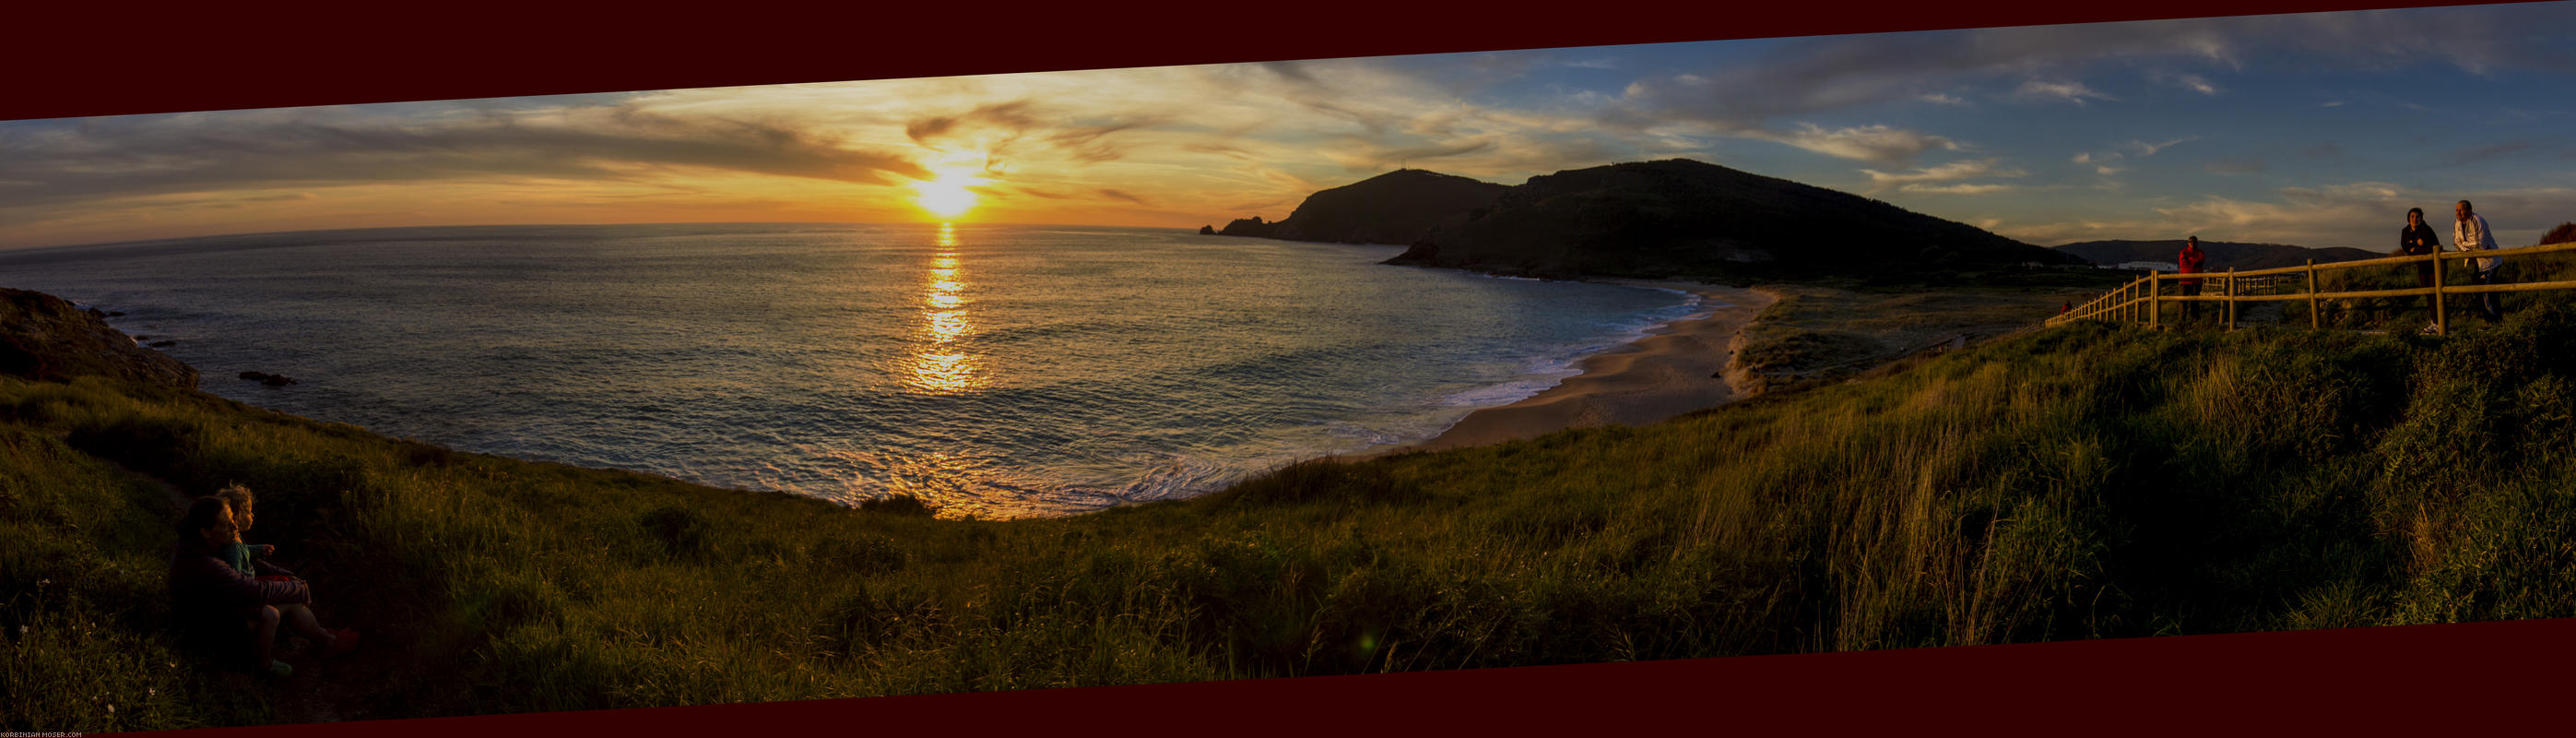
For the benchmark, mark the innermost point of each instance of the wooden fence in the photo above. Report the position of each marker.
(2144, 300)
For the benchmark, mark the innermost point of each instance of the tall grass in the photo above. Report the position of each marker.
(2085, 481)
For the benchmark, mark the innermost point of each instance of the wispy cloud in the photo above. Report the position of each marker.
(2184, 80)
(1918, 180)
(2069, 92)
(2104, 164)
(1117, 194)
(2467, 155)
(2145, 149)
(1963, 188)
(1872, 143)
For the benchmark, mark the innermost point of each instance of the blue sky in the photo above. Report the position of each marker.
(2313, 129)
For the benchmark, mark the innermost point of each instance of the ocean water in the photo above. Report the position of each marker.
(998, 371)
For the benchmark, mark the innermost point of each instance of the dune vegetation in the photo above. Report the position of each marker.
(2084, 481)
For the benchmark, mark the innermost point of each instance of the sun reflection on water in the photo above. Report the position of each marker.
(937, 363)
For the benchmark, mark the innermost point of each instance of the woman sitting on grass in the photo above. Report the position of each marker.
(211, 601)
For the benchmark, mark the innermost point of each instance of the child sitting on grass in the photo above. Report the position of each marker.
(237, 552)
(240, 555)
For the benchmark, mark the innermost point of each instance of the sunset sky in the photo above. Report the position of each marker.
(2314, 129)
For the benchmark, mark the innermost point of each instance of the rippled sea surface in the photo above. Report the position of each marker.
(999, 371)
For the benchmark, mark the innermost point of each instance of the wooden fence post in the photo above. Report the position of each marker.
(2441, 317)
(2312, 294)
(2231, 298)
(2155, 309)
(2128, 302)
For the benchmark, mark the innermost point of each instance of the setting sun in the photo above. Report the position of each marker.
(948, 196)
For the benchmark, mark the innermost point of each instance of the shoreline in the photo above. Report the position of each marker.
(1664, 374)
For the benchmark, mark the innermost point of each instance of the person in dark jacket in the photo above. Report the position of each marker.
(213, 603)
(2417, 240)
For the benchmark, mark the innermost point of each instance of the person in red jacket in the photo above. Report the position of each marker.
(2190, 262)
(211, 601)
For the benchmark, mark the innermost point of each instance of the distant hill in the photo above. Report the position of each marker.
(1391, 208)
(1678, 217)
(2222, 254)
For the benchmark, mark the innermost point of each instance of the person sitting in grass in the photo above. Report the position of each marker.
(240, 554)
(211, 601)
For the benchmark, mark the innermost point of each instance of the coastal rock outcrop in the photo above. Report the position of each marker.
(1246, 227)
(1392, 208)
(47, 338)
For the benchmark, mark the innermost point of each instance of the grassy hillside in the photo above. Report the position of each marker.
(2084, 481)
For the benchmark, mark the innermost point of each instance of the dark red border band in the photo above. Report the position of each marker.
(214, 56)
(2449, 679)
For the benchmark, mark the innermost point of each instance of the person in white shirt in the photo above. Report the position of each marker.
(2470, 233)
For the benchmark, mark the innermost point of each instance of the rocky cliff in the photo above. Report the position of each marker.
(1392, 208)
(46, 338)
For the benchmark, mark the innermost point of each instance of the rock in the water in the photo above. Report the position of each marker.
(163, 344)
(1207, 230)
(273, 380)
(46, 338)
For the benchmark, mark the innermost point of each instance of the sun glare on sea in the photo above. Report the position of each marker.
(938, 364)
(948, 196)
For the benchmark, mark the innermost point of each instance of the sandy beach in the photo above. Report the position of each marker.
(1660, 376)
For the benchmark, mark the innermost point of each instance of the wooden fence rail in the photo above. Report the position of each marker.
(2143, 300)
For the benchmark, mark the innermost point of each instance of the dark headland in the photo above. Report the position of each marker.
(1392, 208)
(1673, 218)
